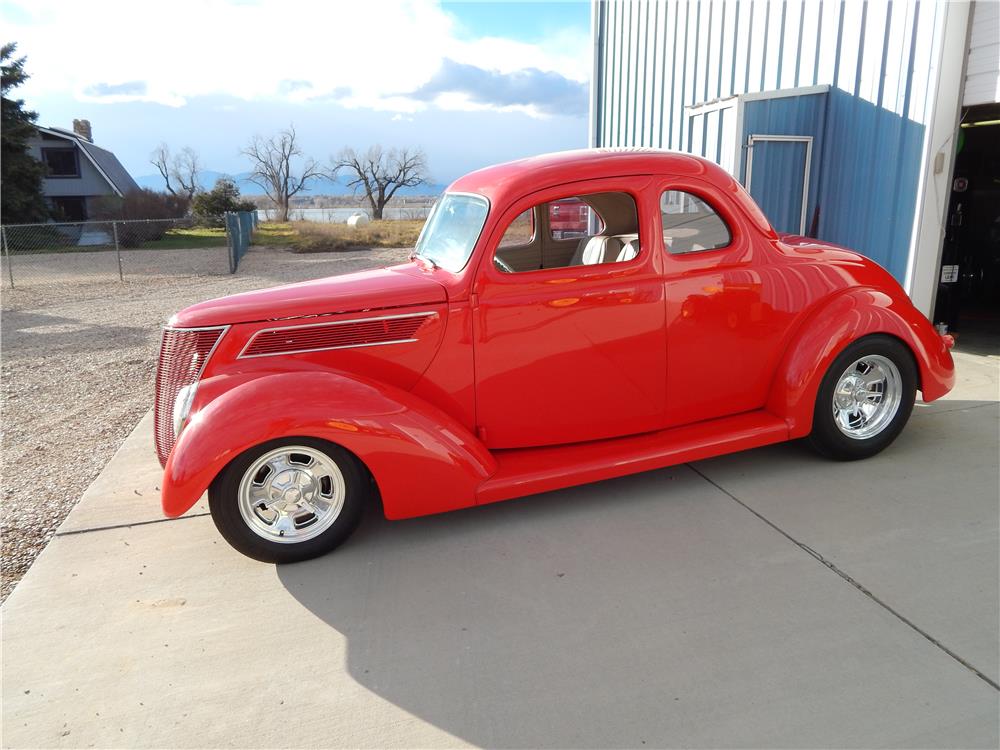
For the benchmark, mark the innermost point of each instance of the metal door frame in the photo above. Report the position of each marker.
(806, 139)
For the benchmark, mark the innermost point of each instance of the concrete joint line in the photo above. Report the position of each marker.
(922, 413)
(129, 525)
(813, 553)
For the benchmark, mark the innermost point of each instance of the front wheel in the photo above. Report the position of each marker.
(289, 500)
(865, 399)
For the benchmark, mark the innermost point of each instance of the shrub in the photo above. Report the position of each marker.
(223, 198)
(142, 204)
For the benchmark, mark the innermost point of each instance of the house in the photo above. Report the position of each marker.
(79, 173)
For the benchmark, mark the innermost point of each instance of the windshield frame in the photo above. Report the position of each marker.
(479, 234)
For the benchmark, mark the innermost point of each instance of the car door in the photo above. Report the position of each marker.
(574, 352)
(724, 331)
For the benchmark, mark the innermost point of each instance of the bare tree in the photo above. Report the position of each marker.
(160, 158)
(186, 168)
(273, 167)
(183, 169)
(380, 173)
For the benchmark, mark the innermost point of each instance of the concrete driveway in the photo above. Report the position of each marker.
(764, 599)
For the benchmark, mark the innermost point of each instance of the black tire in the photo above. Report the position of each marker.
(826, 437)
(223, 501)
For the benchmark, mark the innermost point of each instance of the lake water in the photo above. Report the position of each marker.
(342, 214)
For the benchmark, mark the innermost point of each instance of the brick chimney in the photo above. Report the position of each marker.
(82, 129)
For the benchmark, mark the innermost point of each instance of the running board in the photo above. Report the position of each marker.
(526, 471)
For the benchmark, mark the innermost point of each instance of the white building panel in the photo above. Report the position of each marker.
(982, 71)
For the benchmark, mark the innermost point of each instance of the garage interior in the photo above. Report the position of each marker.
(968, 296)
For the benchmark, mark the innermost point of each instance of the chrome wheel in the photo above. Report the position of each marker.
(867, 397)
(291, 494)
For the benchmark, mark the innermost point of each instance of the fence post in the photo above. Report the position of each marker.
(118, 252)
(6, 252)
(229, 243)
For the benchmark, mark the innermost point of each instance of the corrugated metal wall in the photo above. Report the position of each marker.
(656, 60)
(791, 115)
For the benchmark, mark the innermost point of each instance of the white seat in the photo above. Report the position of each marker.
(603, 248)
(630, 247)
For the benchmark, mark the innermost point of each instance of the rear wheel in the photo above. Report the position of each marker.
(289, 500)
(865, 399)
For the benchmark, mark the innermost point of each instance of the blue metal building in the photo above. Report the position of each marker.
(838, 116)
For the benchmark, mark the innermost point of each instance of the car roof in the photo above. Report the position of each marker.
(504, 183)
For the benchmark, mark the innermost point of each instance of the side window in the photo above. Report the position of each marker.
(691, 225)
(521, 231)
(580, 230)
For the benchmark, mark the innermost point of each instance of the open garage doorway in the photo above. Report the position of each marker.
(968, 296)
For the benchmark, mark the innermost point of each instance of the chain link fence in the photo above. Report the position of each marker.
(96, 251)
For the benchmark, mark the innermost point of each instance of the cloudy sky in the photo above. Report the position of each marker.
(473, 83)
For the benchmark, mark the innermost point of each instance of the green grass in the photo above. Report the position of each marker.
(193, 237)
(274, 233)
(318, 237)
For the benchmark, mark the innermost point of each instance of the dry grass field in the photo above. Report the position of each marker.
(320, 237)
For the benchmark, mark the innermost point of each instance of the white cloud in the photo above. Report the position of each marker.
(361, 54)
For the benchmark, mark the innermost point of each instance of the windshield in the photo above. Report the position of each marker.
(451, 230)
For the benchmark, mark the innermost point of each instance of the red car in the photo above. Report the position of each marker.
(506, 359)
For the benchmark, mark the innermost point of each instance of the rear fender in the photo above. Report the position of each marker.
(846, 318)
(422, 460)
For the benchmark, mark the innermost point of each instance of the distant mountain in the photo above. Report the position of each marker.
(322, 186)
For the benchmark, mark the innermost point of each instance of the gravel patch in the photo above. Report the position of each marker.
(78, 362)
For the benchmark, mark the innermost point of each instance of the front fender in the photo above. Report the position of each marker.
(423, 460)
(846, 318)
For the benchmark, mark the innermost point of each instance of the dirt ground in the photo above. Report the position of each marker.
(78, 361)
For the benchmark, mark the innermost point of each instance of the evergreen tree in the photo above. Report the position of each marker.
(21, 179)
(224, 197)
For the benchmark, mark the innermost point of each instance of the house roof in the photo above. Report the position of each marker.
(108, 163)
(105, 162)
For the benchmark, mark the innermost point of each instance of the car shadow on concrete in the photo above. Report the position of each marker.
(549, 621)
(647, 610)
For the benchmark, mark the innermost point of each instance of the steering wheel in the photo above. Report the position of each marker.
(502, 265)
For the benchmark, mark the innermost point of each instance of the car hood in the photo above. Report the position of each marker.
(384, 288)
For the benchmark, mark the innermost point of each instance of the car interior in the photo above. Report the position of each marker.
(581, 230)
(599, 228)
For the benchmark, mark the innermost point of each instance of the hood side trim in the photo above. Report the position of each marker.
(365, 341)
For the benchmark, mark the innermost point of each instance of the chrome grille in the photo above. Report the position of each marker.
(183, 355)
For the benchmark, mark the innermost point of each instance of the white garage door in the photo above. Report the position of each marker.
(982, 73)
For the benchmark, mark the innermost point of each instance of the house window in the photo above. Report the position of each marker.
(69, 208)
(61, 162)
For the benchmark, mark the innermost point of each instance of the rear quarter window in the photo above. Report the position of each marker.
(690, 224)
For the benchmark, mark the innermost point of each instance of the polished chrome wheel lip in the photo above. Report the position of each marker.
(291, 494)
(867, 397)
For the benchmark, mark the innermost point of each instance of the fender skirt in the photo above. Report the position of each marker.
(424, 461)
(846, 318)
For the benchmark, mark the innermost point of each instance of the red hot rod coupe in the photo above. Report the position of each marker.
(507, 358)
